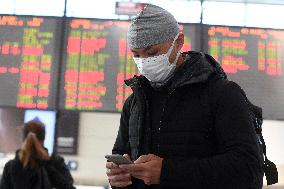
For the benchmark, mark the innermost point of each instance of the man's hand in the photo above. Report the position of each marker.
(147, 168)
(118, 177)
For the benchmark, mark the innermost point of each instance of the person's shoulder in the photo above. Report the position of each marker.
(11, 164)
(223, 85)
(57, 158)
(223, 90)
(129, 99)
(231, 94)
(14, 161)
(229, 86)
(128, 103)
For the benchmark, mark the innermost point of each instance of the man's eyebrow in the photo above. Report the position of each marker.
(144, 50)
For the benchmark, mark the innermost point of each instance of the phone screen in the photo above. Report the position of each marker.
(118, 159)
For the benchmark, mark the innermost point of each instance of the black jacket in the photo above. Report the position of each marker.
(49, 174)
(206, 136)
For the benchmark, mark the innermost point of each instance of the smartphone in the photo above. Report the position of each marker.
(118, 159)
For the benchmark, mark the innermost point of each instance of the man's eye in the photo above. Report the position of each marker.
(152, 53)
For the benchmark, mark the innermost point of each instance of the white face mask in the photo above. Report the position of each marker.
(157, 69)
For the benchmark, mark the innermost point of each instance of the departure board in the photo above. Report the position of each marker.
(97, 61)
(29, 50)
(254, 58)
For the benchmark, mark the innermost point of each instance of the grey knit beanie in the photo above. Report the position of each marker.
(153, 25)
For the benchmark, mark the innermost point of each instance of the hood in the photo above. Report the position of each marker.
(198, 68)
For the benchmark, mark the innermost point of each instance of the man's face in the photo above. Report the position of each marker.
(159, 49)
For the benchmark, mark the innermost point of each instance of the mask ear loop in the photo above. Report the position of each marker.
(172, 46)
(178, 54)
(171, 49)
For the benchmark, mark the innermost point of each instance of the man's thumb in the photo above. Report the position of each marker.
(143, 159)
(127, 156)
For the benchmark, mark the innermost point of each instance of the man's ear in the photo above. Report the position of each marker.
(180, 41)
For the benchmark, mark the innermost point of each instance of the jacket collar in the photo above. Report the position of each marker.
(198, 68)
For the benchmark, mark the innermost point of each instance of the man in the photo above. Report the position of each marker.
(185, 125)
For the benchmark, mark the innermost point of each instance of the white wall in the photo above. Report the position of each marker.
(96, 137)
(273, 132)
(98, 132)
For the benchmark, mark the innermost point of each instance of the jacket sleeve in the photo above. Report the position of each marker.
(5, 179)
(236, 164)
(59, 174)
(121, 145)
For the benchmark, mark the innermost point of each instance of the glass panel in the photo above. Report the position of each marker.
(40, 7)
(8, 8)
(223, 13)
(91, 9)
(260, 15)
(184, 11)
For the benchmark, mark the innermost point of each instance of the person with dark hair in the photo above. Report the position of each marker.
(32, 167)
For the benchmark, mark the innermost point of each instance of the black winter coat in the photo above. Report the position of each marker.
(207, 138)
(50, 174)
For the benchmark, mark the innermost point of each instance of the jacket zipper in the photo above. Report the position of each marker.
(162, 118)
(147, 117)
(163, 113)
